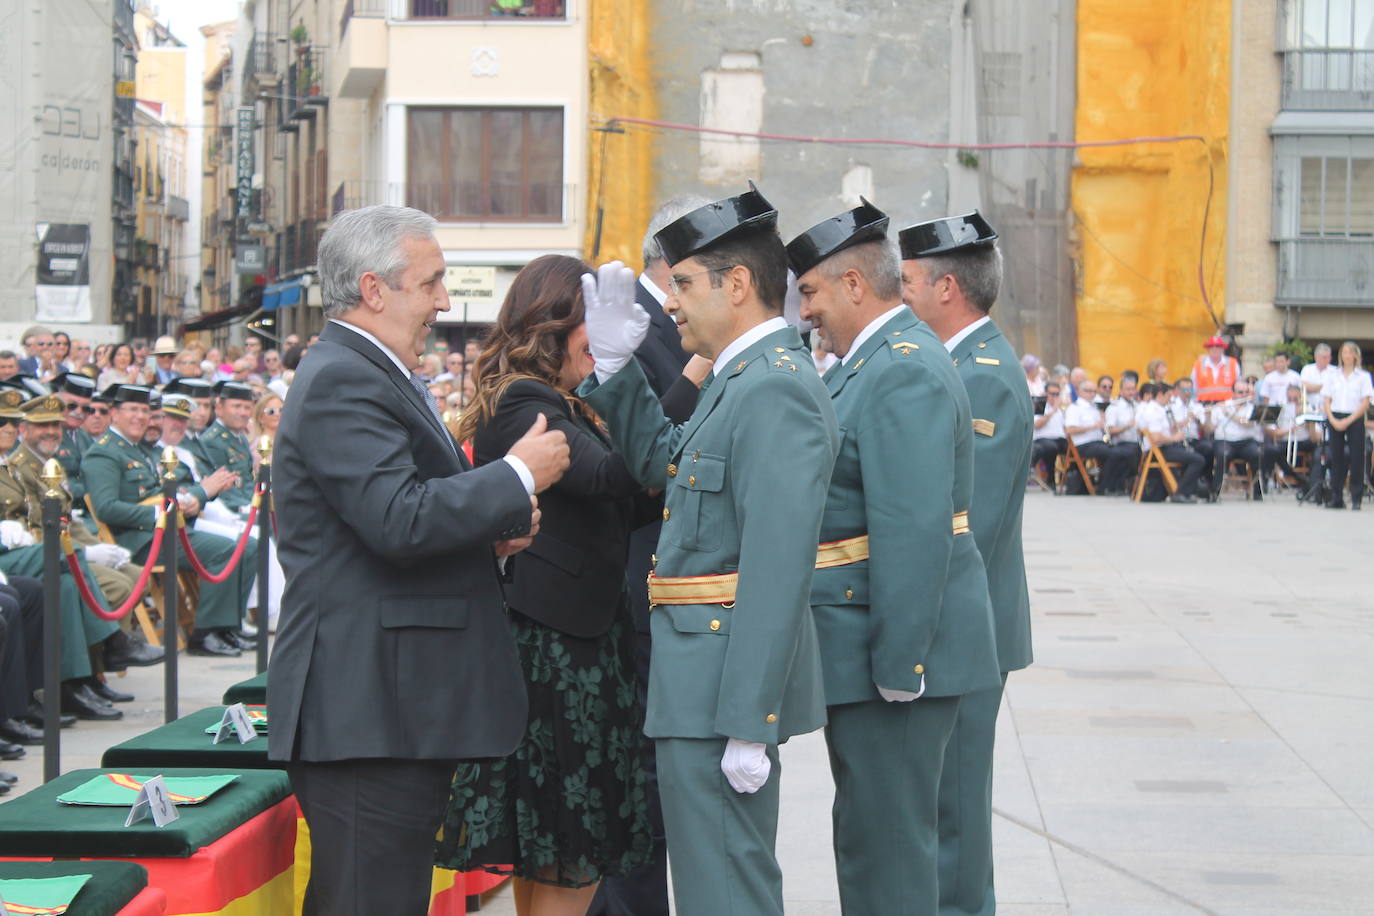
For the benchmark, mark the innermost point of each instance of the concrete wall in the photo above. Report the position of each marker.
(802, 67)
(1161, 68)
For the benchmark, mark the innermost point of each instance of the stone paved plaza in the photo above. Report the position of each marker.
(1196, 736)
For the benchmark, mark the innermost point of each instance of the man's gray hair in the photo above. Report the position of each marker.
(1321, 348)
(877, 261)
(367, 240)
(668, 212)
(979, 274)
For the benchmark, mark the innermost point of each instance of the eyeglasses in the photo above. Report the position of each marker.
(101, 411)
(8, 421)
(677, 282)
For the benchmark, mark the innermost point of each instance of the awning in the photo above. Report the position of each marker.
(281, 295)
(221, 317)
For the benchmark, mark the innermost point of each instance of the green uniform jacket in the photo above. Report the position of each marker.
(918, 607)
(119, 476)
(1002, 430)
(218, 447)
(74, 445)
(744, 480)
(28, 469)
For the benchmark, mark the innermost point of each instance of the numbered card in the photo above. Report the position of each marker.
(152, 801)
(236, 722)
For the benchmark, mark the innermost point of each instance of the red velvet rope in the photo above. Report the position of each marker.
(96, 604)
(228, 570)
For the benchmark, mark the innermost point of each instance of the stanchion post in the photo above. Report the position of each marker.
(171, 598)
(264, 548)
(53, 478)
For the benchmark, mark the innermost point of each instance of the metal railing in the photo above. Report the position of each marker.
(1328, 80)
(297, 245)
(1326, 271)
(363, 9)
(262, 59)
(355, 193)
(304, 87)
(487, 9)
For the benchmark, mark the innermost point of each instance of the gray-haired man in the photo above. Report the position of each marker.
(394, 658)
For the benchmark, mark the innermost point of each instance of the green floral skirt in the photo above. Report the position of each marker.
(568, 807)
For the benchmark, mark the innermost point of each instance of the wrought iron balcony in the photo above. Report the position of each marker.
(1316, 272)
(1328, 80)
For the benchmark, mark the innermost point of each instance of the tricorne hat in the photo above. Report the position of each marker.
(865, 223)
(234, 391)
(946, 236)
(714, 223)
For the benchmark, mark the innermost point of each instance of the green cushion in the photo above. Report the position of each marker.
(183, 743)
(112, 884)
(34, 824)
(252, 692)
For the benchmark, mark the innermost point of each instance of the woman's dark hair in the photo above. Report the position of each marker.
(530, 338)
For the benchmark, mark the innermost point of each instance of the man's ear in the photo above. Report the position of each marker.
(370, 286)
(738, 281)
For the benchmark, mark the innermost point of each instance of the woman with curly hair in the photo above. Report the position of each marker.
(569, 806)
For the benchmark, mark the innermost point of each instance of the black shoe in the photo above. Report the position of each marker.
(1336, 504)
(80, 702)
(9, 751)
(35, 716)
(105, 692)
(18, 731)
(8, 779)
(1213, 497)
(1180, 498)
(212, 644)
(121, 652)
(4, 788)
(238, 640)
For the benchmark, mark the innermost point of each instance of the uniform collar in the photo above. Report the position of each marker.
(965, 331)
(872, 328)
(747, 339)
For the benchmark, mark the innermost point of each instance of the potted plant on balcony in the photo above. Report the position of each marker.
(300, 36)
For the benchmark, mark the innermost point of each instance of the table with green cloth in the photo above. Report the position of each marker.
(252, 692)
(233, 852)
(184, 743)
(115, 888)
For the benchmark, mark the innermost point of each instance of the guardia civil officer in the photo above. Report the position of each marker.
(900, 595)
(735, 667)
(224, 444)
(951, 274)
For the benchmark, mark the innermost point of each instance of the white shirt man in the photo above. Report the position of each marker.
(1315, 376)
(1274, 386)
(1237, 437)
(1155, 421)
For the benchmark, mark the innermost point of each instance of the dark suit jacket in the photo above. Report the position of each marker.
(572, 576)
(393, 639)
(660, 355)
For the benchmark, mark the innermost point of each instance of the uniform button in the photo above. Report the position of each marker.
(672, 470)
(692, 481)
(667, 513)
(770, 718)
(919, 669)
(653, 559)
(849, 593)
(715, 625)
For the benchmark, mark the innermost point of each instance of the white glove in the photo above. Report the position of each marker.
(111, 555)
(13, 534)
(902, 696)
(746, 765)
(4, 579)
(616, 324)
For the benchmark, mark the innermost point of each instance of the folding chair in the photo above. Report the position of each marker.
(1070, 459)
(1153, 459)
(1243, 475)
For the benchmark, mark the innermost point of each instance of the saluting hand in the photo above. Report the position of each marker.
(544, 451)
(616, 324)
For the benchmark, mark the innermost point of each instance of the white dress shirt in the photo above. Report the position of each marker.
(1083, 413)
(1312, 375)
(966, 331)
(1153, 419)
(1233, 423)
(1121, 412)
(870, 330)
(1273, 388)
(1053, 427)
(1347, 391)
(745, 341)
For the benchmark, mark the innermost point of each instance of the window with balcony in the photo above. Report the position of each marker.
(486, 164)
(488, 9)
(1324, 219)
(1328, 48)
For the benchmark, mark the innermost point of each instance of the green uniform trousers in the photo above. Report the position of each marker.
(720, 842)
(966, 808)
(80, 628)
(221, 605)
(885, 759)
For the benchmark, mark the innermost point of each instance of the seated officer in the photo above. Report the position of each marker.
(224, 444)
(1236, 437)
(202, 395)
(75, 391)
(125, 487)
(20, 555)
(1157, 427)
(40, 439)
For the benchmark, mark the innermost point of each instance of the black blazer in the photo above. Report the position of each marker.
(393, 639)
(572, 576)
(660, 355)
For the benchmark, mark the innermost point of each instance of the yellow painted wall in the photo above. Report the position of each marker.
(621, 86)
(1149, 69)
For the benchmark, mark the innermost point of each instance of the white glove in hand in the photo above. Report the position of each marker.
(13, 534)
(111, 555)
(4, 579)
(746, 765)
(902, 696)
(616, 324)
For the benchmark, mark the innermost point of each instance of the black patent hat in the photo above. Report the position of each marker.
(74, 383)
(865, 223)
(945, 236)
(233, 391)
(191, 387)
(129, 394)
(31, 386)
(714, 223)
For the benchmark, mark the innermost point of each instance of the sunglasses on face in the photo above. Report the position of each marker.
(8, 421)
(272, 412)
(101, 411)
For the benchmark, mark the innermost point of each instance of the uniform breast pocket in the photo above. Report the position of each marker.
(700, 502)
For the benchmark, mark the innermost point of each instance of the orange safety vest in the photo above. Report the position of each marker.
(1214, 383)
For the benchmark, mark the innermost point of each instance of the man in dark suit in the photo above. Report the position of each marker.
(645, 892)
(394, 658)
